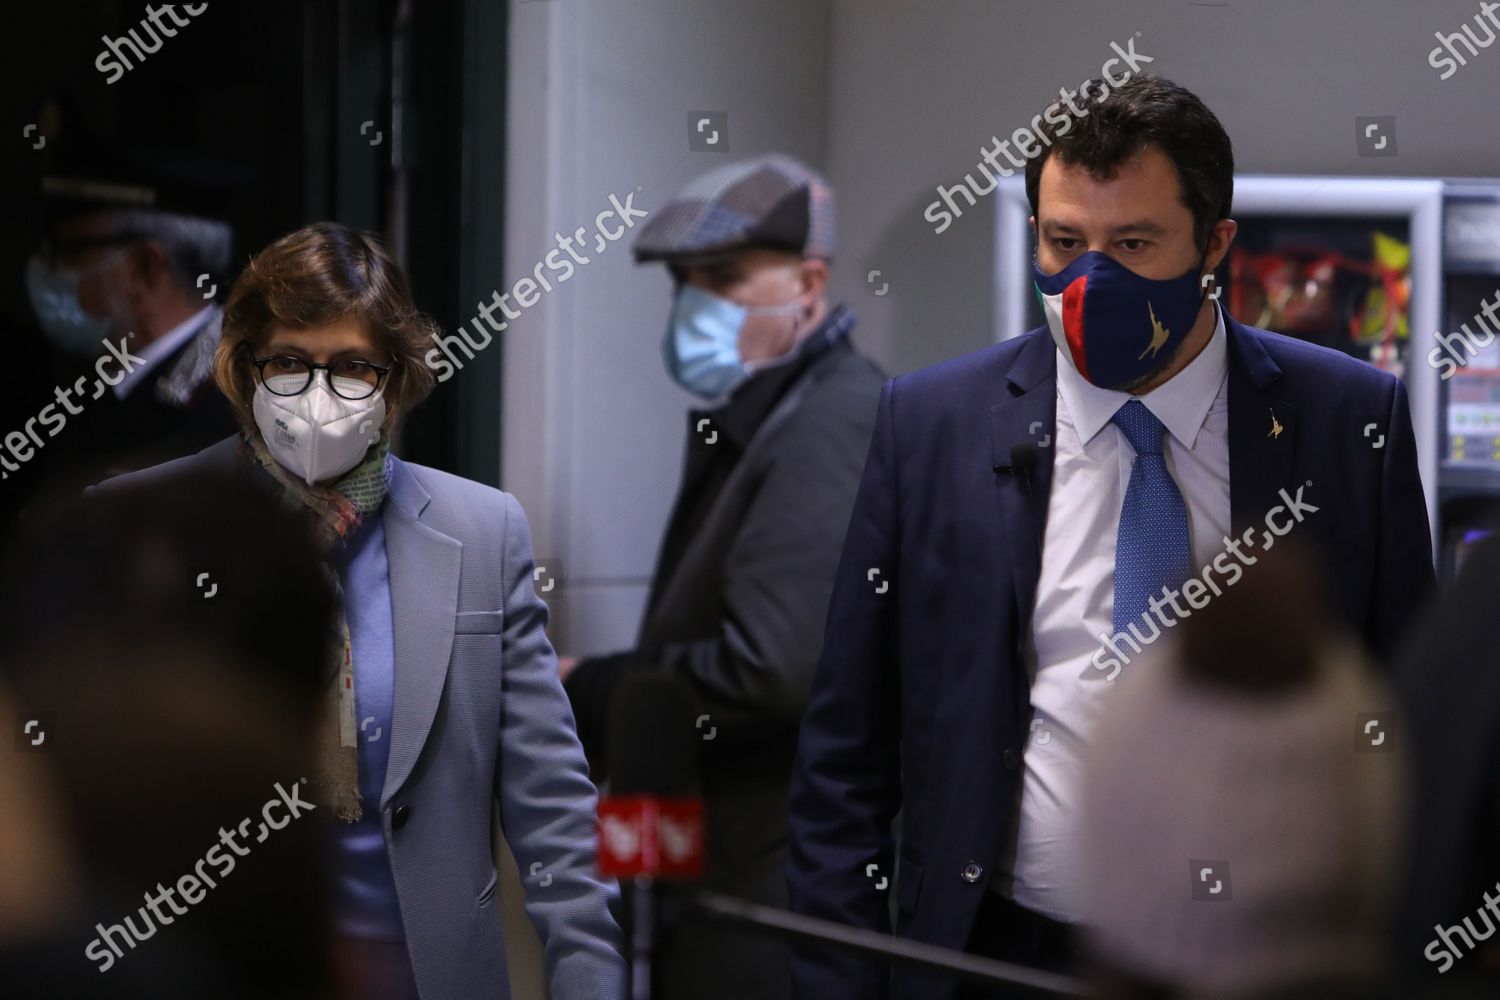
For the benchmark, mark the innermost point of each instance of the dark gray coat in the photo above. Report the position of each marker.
(737, 609)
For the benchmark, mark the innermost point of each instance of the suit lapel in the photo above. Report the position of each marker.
(1026, 412)
(1262, 427)
(424, 565)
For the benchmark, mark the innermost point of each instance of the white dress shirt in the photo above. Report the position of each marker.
(1076, 591)
(159, 350)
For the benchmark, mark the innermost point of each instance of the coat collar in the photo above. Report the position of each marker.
(1023, 410)
(424, 576)
(1026, 392)
(1262, 425)
(406, 491)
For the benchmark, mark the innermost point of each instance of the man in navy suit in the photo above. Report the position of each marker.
(1033, 516)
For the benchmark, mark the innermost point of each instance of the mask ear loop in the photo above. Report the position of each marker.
(797, 320)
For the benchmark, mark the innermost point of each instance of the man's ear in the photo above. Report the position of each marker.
(146, 266)
(1219, 241)
(814, 277)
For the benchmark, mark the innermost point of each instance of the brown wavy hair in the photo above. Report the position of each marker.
(320, 275)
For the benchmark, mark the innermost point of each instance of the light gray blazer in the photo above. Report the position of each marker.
(479, 716)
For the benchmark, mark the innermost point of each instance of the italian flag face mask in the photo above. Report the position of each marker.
(1116, 327)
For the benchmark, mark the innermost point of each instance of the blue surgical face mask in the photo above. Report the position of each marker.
(54, 299)
(1116, 327)
(702, 345)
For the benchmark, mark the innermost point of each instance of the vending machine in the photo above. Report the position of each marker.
(1466, 355)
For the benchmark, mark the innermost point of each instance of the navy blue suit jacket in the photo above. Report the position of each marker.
(921, 701)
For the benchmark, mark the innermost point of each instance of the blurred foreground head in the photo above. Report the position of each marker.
(1241, 805)
(172, 638)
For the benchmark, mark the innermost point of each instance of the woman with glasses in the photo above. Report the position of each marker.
(445, 696)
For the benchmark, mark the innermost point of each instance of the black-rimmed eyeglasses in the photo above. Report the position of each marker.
(288, 376)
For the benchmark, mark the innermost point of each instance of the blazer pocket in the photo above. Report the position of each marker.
(488, 892)
(908, 890)
(478, 623)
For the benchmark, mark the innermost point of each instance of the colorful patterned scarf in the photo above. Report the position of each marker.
(336, 512)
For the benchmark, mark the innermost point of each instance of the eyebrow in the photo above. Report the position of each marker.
(288, 349)
(1144, 227)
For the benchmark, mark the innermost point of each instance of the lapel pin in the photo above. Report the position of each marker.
(1276, 427)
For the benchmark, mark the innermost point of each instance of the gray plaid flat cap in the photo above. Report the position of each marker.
(769, 201)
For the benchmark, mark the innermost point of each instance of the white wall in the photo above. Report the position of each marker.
(599, 104)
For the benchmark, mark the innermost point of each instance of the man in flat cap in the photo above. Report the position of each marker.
(745, 570)
(123, 288)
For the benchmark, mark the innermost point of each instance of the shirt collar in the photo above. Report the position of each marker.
(160, 348)
(1181, 403)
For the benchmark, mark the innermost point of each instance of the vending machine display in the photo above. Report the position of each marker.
(1345, 284)
(1474, 419)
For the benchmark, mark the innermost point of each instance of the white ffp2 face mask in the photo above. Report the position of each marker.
(318, 435)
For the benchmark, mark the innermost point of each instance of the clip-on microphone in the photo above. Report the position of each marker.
(1023, 457)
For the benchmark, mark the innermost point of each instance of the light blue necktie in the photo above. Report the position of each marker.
(1152, 549)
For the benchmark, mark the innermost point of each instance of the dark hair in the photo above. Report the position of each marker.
(1146, 110)
(318, 275)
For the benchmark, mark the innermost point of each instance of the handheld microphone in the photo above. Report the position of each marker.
(651, 822)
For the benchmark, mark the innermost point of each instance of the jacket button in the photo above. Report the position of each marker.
(972, 872)
(1012, 758)
(400, 816)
